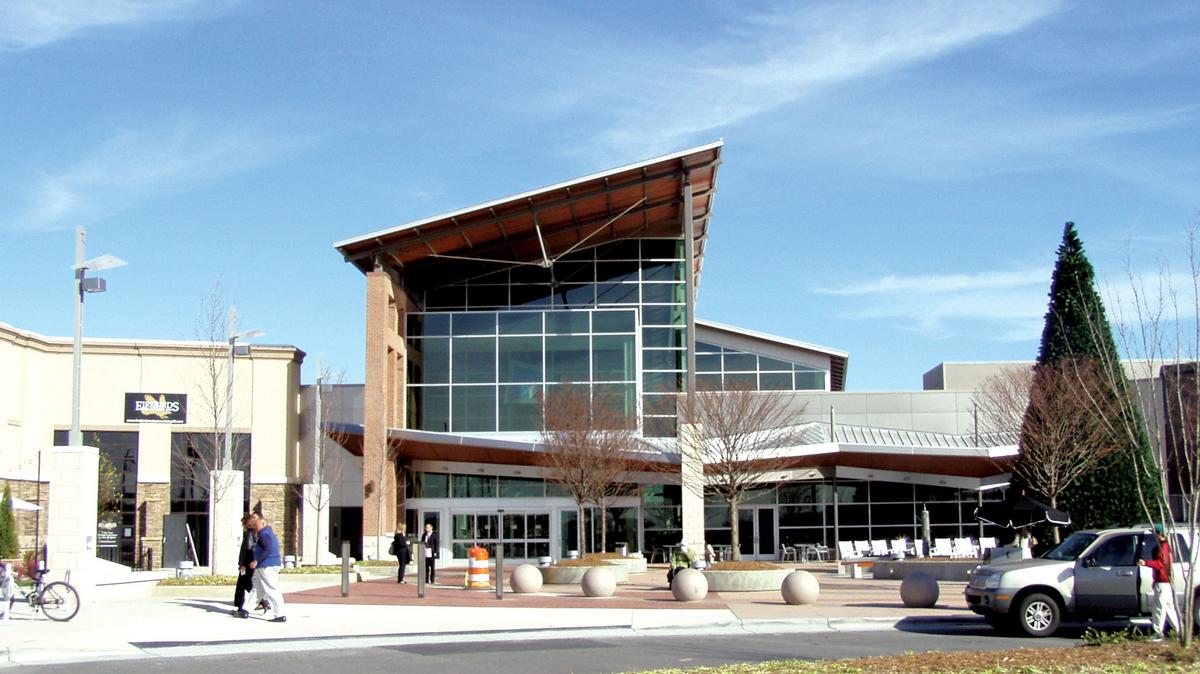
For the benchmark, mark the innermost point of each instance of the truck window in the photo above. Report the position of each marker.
(1120, 550)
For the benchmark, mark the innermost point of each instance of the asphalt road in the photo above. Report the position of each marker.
(581, 654)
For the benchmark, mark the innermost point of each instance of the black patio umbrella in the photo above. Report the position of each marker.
(1020, 512)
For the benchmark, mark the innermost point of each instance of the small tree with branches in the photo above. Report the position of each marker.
(741, 438)
(590, 445)
(201, 452)
(324, 463)
(1059, 412)
(1157, 324)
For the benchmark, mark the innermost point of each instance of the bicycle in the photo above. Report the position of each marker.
(58, 600)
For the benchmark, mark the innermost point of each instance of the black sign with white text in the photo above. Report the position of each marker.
(155, 408)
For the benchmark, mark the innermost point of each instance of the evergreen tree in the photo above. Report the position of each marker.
(1077, 327)
(8, 528)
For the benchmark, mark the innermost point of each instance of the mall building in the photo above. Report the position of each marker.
(473, 316)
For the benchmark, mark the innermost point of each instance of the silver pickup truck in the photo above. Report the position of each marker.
(1091, 574)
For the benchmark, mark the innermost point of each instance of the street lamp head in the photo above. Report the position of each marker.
(101, 263)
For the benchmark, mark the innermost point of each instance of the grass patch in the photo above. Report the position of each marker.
(377, 562)
(198, 581)
(1129, 657)
(304, 570)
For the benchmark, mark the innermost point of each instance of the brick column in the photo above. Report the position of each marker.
(383, 407)
(281, 510)
(154, 501)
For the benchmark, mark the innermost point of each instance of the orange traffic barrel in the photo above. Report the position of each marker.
(477, 569)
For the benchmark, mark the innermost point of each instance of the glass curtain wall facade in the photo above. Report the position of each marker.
(866, 510)
(484, 348)
(193, 455)
(720, 368)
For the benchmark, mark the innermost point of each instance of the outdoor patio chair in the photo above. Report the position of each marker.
(846, 550)
(919, 548)
(986, 544)
(821, 551)
(879, 548)
(786, 551)
(899, 547)
(941, 548)
(963, 547)
(863, 548)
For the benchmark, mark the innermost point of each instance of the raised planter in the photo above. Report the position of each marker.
(633, 564)
(573, 575)
(947, 569)
(756, 580)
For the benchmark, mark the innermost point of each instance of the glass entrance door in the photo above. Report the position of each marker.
(756, 532)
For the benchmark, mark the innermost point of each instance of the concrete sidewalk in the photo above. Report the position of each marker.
(382, 612)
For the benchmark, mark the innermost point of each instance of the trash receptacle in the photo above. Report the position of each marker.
(622, 549)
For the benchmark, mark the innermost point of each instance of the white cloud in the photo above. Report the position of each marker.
(1003, 305)
(776, 59)
(27, 24)
(942, 283)
(137, 165)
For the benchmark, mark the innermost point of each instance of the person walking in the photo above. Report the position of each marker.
(430, 541)
(266, 564)
(402, 548)
(8, 590)
(1164, 593)
(245, 581)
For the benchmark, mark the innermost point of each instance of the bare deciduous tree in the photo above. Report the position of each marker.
(201, 451)
(1158, 326)
(590, 451)
(324, 466)
(741, 439)
(1060, 412)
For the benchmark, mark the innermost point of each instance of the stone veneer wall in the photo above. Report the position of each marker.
(154, 501)
(28, 521)
(281, 508)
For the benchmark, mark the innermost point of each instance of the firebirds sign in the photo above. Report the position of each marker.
(155, 408)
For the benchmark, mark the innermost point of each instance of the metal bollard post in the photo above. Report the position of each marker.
(420, 569)
(500, 571)
(345, 568)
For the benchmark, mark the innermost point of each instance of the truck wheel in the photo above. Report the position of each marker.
(1038, 615)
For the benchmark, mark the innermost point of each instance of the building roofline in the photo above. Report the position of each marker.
(527, 194)
(772, 338)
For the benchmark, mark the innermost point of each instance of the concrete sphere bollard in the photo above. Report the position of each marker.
(689, 585)
(800, 587)
(919, 590)
(598, 582)
(526, 579)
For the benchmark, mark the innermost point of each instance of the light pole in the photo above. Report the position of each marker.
(83, 284)
(234, 336)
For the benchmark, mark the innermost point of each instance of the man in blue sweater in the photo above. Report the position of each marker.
(266, 564)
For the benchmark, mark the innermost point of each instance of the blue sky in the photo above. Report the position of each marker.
(896, 174)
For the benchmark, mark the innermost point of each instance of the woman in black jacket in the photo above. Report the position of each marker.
(402, 548)
(245, 581)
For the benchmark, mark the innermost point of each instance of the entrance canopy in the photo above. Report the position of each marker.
(537, 228)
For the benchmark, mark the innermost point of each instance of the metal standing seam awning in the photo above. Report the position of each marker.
(537, 227)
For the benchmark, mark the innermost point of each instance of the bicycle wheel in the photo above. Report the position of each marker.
(60, 602)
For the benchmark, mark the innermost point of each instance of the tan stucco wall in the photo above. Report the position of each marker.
(35, 401)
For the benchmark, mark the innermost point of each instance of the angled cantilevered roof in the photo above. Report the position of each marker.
(639, 200)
